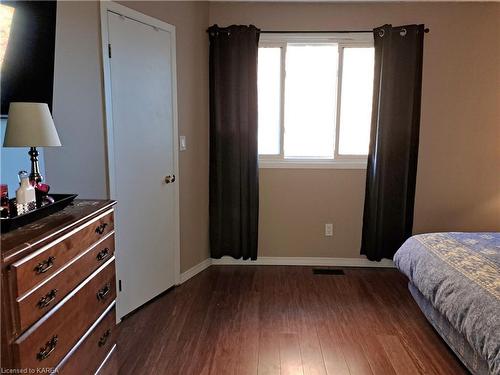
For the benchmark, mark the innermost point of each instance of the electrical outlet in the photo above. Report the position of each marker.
(328, 230)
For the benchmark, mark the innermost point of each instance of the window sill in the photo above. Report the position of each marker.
(312, 164)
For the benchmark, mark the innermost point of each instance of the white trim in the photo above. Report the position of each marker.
(305, 261)
(284, 261)
(338, 101)
(312, 164)
(175, 141)
(105, 362)
(134, 15)
(110, 6)
(193, 271)
(350, 38)
(282, 99)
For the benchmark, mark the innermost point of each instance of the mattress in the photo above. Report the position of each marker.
(455, 340)
(458, 274)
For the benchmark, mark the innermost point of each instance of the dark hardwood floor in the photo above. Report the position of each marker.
(284, 320)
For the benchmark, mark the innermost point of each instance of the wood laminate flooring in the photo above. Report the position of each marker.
(270, 320)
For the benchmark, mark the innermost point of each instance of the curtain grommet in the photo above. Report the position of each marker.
(381, 33)
(403, 32)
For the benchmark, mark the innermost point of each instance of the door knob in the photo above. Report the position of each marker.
(168, 179)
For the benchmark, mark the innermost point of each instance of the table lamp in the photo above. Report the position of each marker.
(31, 125)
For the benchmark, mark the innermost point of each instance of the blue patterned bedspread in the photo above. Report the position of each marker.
(459, 273)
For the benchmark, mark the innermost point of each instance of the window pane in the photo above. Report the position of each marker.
(310, 100)
(269, 87)
(356, 101)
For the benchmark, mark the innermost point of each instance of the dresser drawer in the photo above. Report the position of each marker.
(39, 266)
(32, 306)
(48, 340)
(92, 351)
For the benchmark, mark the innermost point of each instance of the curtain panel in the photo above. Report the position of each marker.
(234, 174)
(392, 158)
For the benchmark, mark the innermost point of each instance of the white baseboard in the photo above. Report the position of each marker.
(285, 261)
(193, 271)
(305, 261)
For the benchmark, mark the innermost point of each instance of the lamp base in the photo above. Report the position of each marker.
(35, 175)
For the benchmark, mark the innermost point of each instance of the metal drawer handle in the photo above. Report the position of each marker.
(103, 292)
(103, 254)
(45, 265)
(46, 351)
(100, 229)
(47, 300)
(104, 338)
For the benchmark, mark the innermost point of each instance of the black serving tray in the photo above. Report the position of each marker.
(60, 202)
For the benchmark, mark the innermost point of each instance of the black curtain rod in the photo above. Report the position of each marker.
(315, 32)
(426, 30)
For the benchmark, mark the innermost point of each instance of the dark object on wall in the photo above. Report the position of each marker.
(392, 159)
(28, 66)
(234, 174)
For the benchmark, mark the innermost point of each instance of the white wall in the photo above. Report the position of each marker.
(80, 165)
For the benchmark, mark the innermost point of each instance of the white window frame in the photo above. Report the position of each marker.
(343, 40)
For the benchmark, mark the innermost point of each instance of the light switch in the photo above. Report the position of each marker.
(182, 143)
(328, 230)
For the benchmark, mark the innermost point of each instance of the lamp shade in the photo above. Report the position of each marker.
(30, 125)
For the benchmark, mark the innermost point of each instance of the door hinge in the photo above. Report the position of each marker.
(109, 50)
(119, 285)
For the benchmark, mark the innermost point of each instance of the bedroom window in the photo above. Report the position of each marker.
(315, 100)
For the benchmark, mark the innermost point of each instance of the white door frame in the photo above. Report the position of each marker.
(108, 109)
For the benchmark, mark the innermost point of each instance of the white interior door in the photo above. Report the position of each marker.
(143, 152)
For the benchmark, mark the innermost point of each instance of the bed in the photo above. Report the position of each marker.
(455, 280)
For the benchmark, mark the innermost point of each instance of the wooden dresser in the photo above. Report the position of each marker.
(58, 292)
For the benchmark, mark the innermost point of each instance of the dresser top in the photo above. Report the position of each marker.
(19, 242)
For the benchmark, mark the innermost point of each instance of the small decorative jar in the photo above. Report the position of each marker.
(25, 195)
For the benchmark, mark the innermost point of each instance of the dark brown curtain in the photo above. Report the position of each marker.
(392, 159)
(234, 178)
